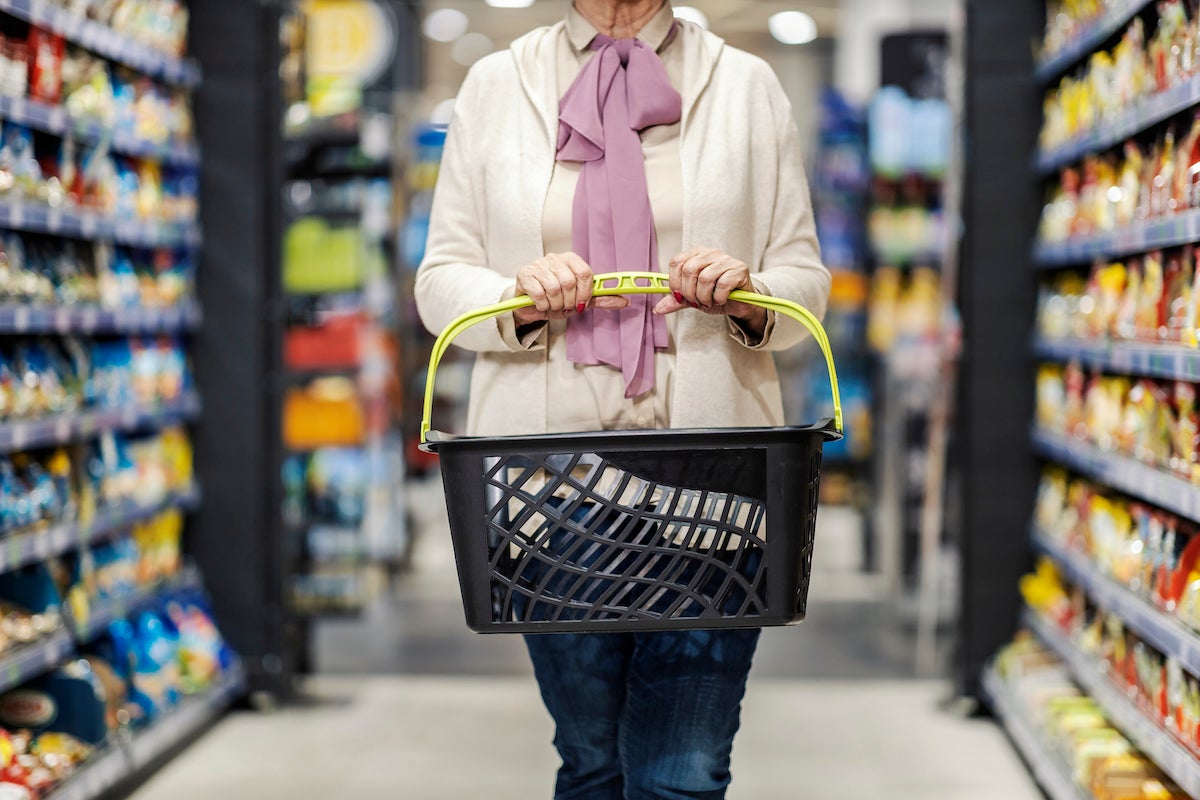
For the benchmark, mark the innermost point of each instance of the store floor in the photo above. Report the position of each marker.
(410, 705)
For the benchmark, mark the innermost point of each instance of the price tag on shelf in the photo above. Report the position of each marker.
(89, 223)
(62, 320)
(62, 429)
(20, 435)
(13, 673)
(12, 551)
(40, 546)
(21, 319)
(87, 424)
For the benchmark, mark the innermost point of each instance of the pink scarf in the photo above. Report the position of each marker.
(621, 91)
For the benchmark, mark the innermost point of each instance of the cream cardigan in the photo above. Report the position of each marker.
(745, 193)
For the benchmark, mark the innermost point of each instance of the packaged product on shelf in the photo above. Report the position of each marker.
(14, 67)
(158, 545)
(46, 53)
(87, 90)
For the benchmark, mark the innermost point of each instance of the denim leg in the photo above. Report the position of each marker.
(682, 711)
(582, 677)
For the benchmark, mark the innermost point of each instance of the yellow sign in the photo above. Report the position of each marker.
(348, 39)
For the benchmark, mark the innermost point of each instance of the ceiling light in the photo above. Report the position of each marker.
(510, 3)
(792, 27)
(471, 48)
(445, 24)
(691, 15)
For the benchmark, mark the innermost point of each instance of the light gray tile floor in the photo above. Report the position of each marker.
(425, 738)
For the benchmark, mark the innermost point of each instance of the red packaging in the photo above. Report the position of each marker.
(46, 52)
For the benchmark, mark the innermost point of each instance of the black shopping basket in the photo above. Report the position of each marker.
(633, 530)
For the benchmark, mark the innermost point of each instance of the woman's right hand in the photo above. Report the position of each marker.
(560, 284)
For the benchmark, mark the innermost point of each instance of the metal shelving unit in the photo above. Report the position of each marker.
(23, 319)
(29, 547)
(1121, 472)
(1050, 67)
(1171, 756)
(69, 223)
(1143, 114)
(1177, 229)
(1051, 772)
(64, 428)
(31, 660)
(127, 753)
(104, 41)
(1172, 361)
(1162, 631)
(57, 120)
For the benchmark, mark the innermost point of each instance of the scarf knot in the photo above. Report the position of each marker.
(620, 92)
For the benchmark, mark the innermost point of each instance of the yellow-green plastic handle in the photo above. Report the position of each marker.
(623, 283)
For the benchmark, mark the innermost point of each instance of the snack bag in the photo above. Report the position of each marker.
(1147, 319)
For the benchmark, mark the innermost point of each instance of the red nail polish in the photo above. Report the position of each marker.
(581, 307)
(693, 305)
(678, 297)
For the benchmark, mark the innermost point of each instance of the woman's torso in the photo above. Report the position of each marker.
(592, 397)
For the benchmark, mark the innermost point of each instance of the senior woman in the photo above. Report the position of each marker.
(622, 139)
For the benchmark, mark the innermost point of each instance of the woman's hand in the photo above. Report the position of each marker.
(703, 278)
(560, 284)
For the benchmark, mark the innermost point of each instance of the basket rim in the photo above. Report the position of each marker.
(675, 438)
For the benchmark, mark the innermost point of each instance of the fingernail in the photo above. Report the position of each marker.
(694, 305)
(581, 307)
(678, 297)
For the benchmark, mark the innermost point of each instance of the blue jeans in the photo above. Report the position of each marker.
(643, 716)
(640, 716)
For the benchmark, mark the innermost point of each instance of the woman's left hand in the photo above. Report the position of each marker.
(703, 278)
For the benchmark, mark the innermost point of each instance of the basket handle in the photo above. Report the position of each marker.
(624, 283)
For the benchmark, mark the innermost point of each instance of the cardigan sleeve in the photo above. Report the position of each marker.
(454, 277)
(791, 267)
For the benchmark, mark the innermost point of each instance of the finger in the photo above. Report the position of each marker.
(565, 279)
(533, 287)
(612, 302)
(549, 280)
(691, 270)
(706, 283)
(583, 279)
(668, 305)
(679, 258)
(729, 281)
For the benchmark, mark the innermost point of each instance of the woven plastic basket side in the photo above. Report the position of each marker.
(575, 538)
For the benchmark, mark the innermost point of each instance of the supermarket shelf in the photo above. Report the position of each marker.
(1134, 358)
(29, 434)
(1051, 772)
(1109, 23)
(23, 319)
(35, 218)
(31, 547)
(32, 660)
(121, 761)
(1164, 632)
(56, 120)
(1177, 229)
(104, 41)
(1141, 115)
(102, 772)
(1162, 748)
(1120, 472)
(191, 716)
(104, 613)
